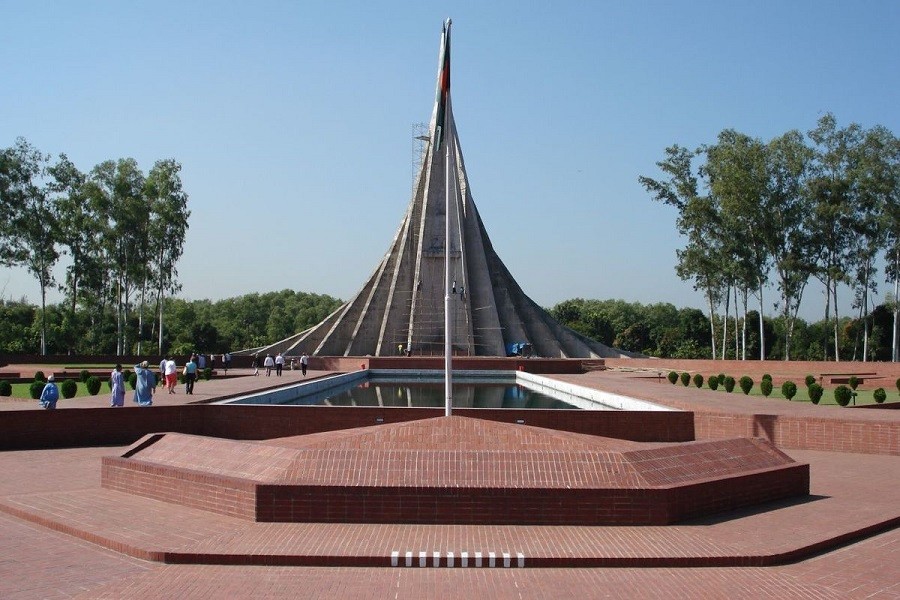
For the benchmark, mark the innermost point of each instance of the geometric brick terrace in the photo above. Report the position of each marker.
(456, 470)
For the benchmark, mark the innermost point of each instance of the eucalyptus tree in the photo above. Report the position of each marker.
(874, 179)
(736, 167)
(30, 218)
(698, 220)
(168, 227)
(832, 191)
(788, 237)
(120, 185)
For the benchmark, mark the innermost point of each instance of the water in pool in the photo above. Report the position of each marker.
(424, 393)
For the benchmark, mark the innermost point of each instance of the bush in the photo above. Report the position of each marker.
(39, 376)
(714, 383)
(880, 395)
(789, 389)
(131, 378)
(810, 379)
(93, 385)
(897, 383)
(698, 380)
(843, 394)
(5, 388)
(746, 384)
(685, 379)
(853, 382)
(207, 373)
(83, 376)
(765, 386)
(815, 392)
(729, 384)
(673, 377)
(35, 389)
(721, 378)
(68, 388)
(766, 377)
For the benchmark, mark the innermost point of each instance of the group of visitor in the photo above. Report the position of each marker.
(146, 381)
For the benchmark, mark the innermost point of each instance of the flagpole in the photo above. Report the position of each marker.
(448, 346)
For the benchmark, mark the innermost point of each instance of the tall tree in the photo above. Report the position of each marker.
(121, 184)
(874, 178)
(168, 229)
(787, 236)
(831, 219)
(736, 166)
(698, 221)
(32, 218)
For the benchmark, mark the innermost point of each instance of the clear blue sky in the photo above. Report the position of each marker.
(293, 121)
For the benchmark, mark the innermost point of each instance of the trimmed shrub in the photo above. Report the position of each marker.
(815, 392)
(721, 378)
(93, 385)
(672, 377)
(853, 381)
(766, 377)
(131, 378)
(713, 382)
(685, 379)
(880, 395)
(68, 388)
(746, 384)
(39, 376)
(897, 383)
(35, 389)
(765, 386)
(5, 388)
(843, 394)
(810, 379)
(207, 374)
(789, 389)
(698, 380)
(729, 384)
(83, 375)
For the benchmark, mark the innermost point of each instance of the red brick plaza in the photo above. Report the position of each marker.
(66, 536)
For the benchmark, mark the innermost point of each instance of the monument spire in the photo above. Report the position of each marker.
(402, 307)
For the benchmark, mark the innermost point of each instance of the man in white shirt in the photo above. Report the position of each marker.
(171, 377)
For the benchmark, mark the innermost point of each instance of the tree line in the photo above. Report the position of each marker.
(227, 325)
(254, 320)
(122, 230)
(760, 214)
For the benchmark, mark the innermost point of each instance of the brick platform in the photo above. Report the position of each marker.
(456, 470)
(64, 536)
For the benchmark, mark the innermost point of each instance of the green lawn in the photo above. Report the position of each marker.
(22, 390)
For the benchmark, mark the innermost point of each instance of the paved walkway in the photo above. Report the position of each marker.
(66, 537)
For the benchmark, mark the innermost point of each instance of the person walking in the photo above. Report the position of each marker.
(50, 394)
(117, 387)
(190, 376)
(256, 364)
(146, 382)
(226, 361)
(269, 364)
(171, 374)
(304, 362)
(279, 364)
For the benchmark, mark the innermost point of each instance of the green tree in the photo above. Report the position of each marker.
(833, 194)
(788, 237)
(167, 230)
(738, 175)
(31, 213)
(698, 220)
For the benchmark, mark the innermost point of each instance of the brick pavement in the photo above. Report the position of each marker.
(60, 488)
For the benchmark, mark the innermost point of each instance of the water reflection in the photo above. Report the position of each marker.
(422, 394)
